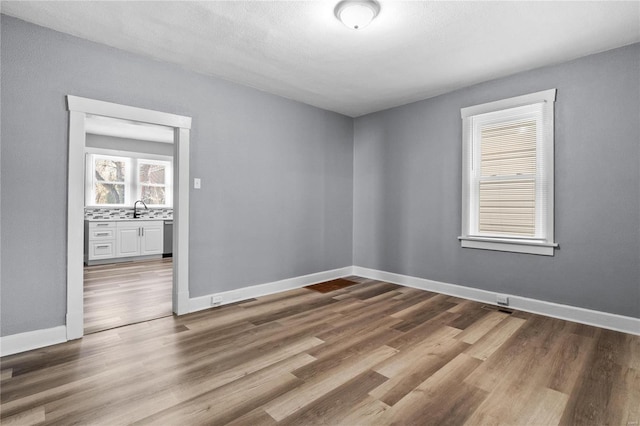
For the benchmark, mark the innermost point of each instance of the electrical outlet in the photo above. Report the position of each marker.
(502, 299)
(216, 300)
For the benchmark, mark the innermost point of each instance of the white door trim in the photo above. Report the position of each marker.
(78, 109)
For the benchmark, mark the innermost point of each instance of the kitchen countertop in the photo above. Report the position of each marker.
(128, 219)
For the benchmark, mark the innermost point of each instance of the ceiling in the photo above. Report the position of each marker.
(413, 50)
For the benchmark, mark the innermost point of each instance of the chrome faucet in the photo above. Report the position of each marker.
(135, 208)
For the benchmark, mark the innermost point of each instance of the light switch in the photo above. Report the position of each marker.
(196, 183)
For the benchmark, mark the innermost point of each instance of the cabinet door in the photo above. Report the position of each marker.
(152, 241)
(128, 241)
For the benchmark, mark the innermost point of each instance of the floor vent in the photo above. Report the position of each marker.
(332, 285)
(497, 308)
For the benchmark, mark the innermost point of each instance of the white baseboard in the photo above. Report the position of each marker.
(22, 342)
(231, 296)
(566, 312)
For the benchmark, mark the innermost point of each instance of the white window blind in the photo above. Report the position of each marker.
(508, 173)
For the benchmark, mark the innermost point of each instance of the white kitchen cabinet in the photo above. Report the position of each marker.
(100, 240)
(128, 239)
(139, 238)
(152, 241)
(106, 240)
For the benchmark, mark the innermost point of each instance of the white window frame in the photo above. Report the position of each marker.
(90, 180)
(168, 188)
(132, 180)
(495, 112)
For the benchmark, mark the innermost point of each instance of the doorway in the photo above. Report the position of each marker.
(128, 222)
(79, 111)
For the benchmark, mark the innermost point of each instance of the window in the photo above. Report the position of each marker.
(119, 181)
(109, 180)
(152, 182)
(507, 181)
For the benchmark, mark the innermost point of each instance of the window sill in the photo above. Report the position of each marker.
(514, 246)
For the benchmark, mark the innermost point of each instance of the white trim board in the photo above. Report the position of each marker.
(126, 112)
(204, 302)
(29, 340)
(23, 342)
(555, 310)
(79, 108)
(40, 338)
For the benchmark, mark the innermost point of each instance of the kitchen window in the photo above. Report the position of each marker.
(507, 181)
(152, 180)
(117, 181)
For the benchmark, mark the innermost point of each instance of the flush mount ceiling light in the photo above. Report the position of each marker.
(357, 14)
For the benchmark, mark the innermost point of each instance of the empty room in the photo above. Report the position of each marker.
(348, 212)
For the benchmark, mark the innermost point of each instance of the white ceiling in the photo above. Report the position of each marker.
(297, 49)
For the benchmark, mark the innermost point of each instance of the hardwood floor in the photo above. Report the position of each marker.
(368, 354)
(118, 294)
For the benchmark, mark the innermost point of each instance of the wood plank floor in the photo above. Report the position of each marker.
(369, 354)
(118, 294)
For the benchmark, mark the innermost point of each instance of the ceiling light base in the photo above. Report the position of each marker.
(357, 14)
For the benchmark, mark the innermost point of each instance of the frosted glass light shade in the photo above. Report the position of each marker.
(357, 14)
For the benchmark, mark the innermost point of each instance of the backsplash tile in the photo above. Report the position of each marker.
(117, 213)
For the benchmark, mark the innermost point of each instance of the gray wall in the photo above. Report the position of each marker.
(284, 182)
(407, 188)
(130, 145)
(276, 198)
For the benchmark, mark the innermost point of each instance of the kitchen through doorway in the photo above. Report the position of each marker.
(80, 111)
(128, 223)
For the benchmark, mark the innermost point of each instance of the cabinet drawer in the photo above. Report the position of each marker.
(101, 250)
(102, 225)
(101, 234)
